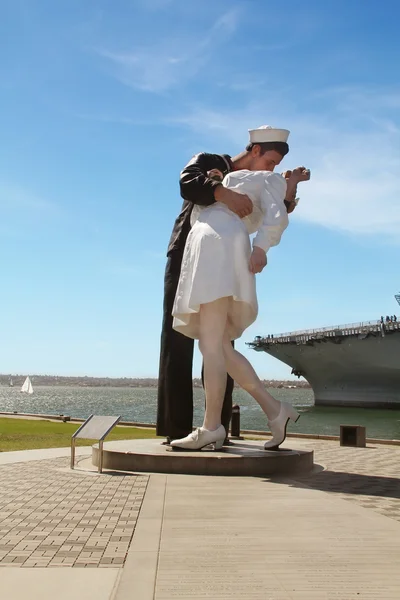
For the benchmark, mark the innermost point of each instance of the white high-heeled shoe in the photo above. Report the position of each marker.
(279, 424)
(200, 438)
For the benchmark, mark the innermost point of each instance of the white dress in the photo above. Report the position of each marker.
(216, 258)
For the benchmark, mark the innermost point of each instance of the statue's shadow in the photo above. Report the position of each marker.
(347, 483)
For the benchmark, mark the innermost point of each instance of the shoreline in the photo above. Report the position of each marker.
(122, 382)
(248, 432)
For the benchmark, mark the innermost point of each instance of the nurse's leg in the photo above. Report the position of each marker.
(213, 318)
(278, 413)
(243, 373)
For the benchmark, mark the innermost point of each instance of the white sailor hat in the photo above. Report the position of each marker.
(266, 133)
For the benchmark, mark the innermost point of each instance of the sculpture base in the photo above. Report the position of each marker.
(237, 459)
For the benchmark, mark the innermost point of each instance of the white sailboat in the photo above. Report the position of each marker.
(10, 383)
(27, 386)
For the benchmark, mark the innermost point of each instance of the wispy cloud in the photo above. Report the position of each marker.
(114, 119)
(154, 5)
(161, 66)
(16, 198)
(355, 98)
(354, 155)
(244, 83)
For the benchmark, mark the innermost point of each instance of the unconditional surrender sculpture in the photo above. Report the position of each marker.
(216, 297)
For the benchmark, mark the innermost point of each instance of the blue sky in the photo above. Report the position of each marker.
(103, 103)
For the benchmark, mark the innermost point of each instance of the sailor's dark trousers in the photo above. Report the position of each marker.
(175, 380)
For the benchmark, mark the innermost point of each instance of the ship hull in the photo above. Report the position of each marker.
(356, 370)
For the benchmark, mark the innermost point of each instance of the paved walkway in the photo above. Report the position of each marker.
(334, 534)
(368, 476)
(50, 516)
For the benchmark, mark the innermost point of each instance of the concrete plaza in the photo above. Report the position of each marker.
(331, 534)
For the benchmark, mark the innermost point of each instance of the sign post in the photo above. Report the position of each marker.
(96, 427)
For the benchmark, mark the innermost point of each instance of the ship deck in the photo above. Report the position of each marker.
(346, 365)
(334, 331)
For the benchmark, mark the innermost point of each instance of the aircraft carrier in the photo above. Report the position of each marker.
(346, 365)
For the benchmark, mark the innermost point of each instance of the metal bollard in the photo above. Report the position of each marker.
(235, 422)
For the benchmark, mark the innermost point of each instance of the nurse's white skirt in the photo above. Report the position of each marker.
(216, 265)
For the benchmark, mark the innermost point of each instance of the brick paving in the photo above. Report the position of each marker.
(367, 476)
(54, 518)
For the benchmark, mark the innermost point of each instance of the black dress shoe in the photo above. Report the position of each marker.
(166, 442)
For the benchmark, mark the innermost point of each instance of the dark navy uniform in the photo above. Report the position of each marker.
(175, 380)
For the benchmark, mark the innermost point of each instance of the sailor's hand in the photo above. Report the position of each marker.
(290, 200)
(290, 206)
(258, 260)
(300, 174)
(215, 174)
(240, 204)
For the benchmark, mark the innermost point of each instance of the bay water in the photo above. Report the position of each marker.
(140, 405)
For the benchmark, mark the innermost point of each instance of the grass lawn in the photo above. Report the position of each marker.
(26, 434)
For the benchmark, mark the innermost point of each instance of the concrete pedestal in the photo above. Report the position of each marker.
(239, 458)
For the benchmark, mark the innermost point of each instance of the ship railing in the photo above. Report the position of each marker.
(324, 332)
